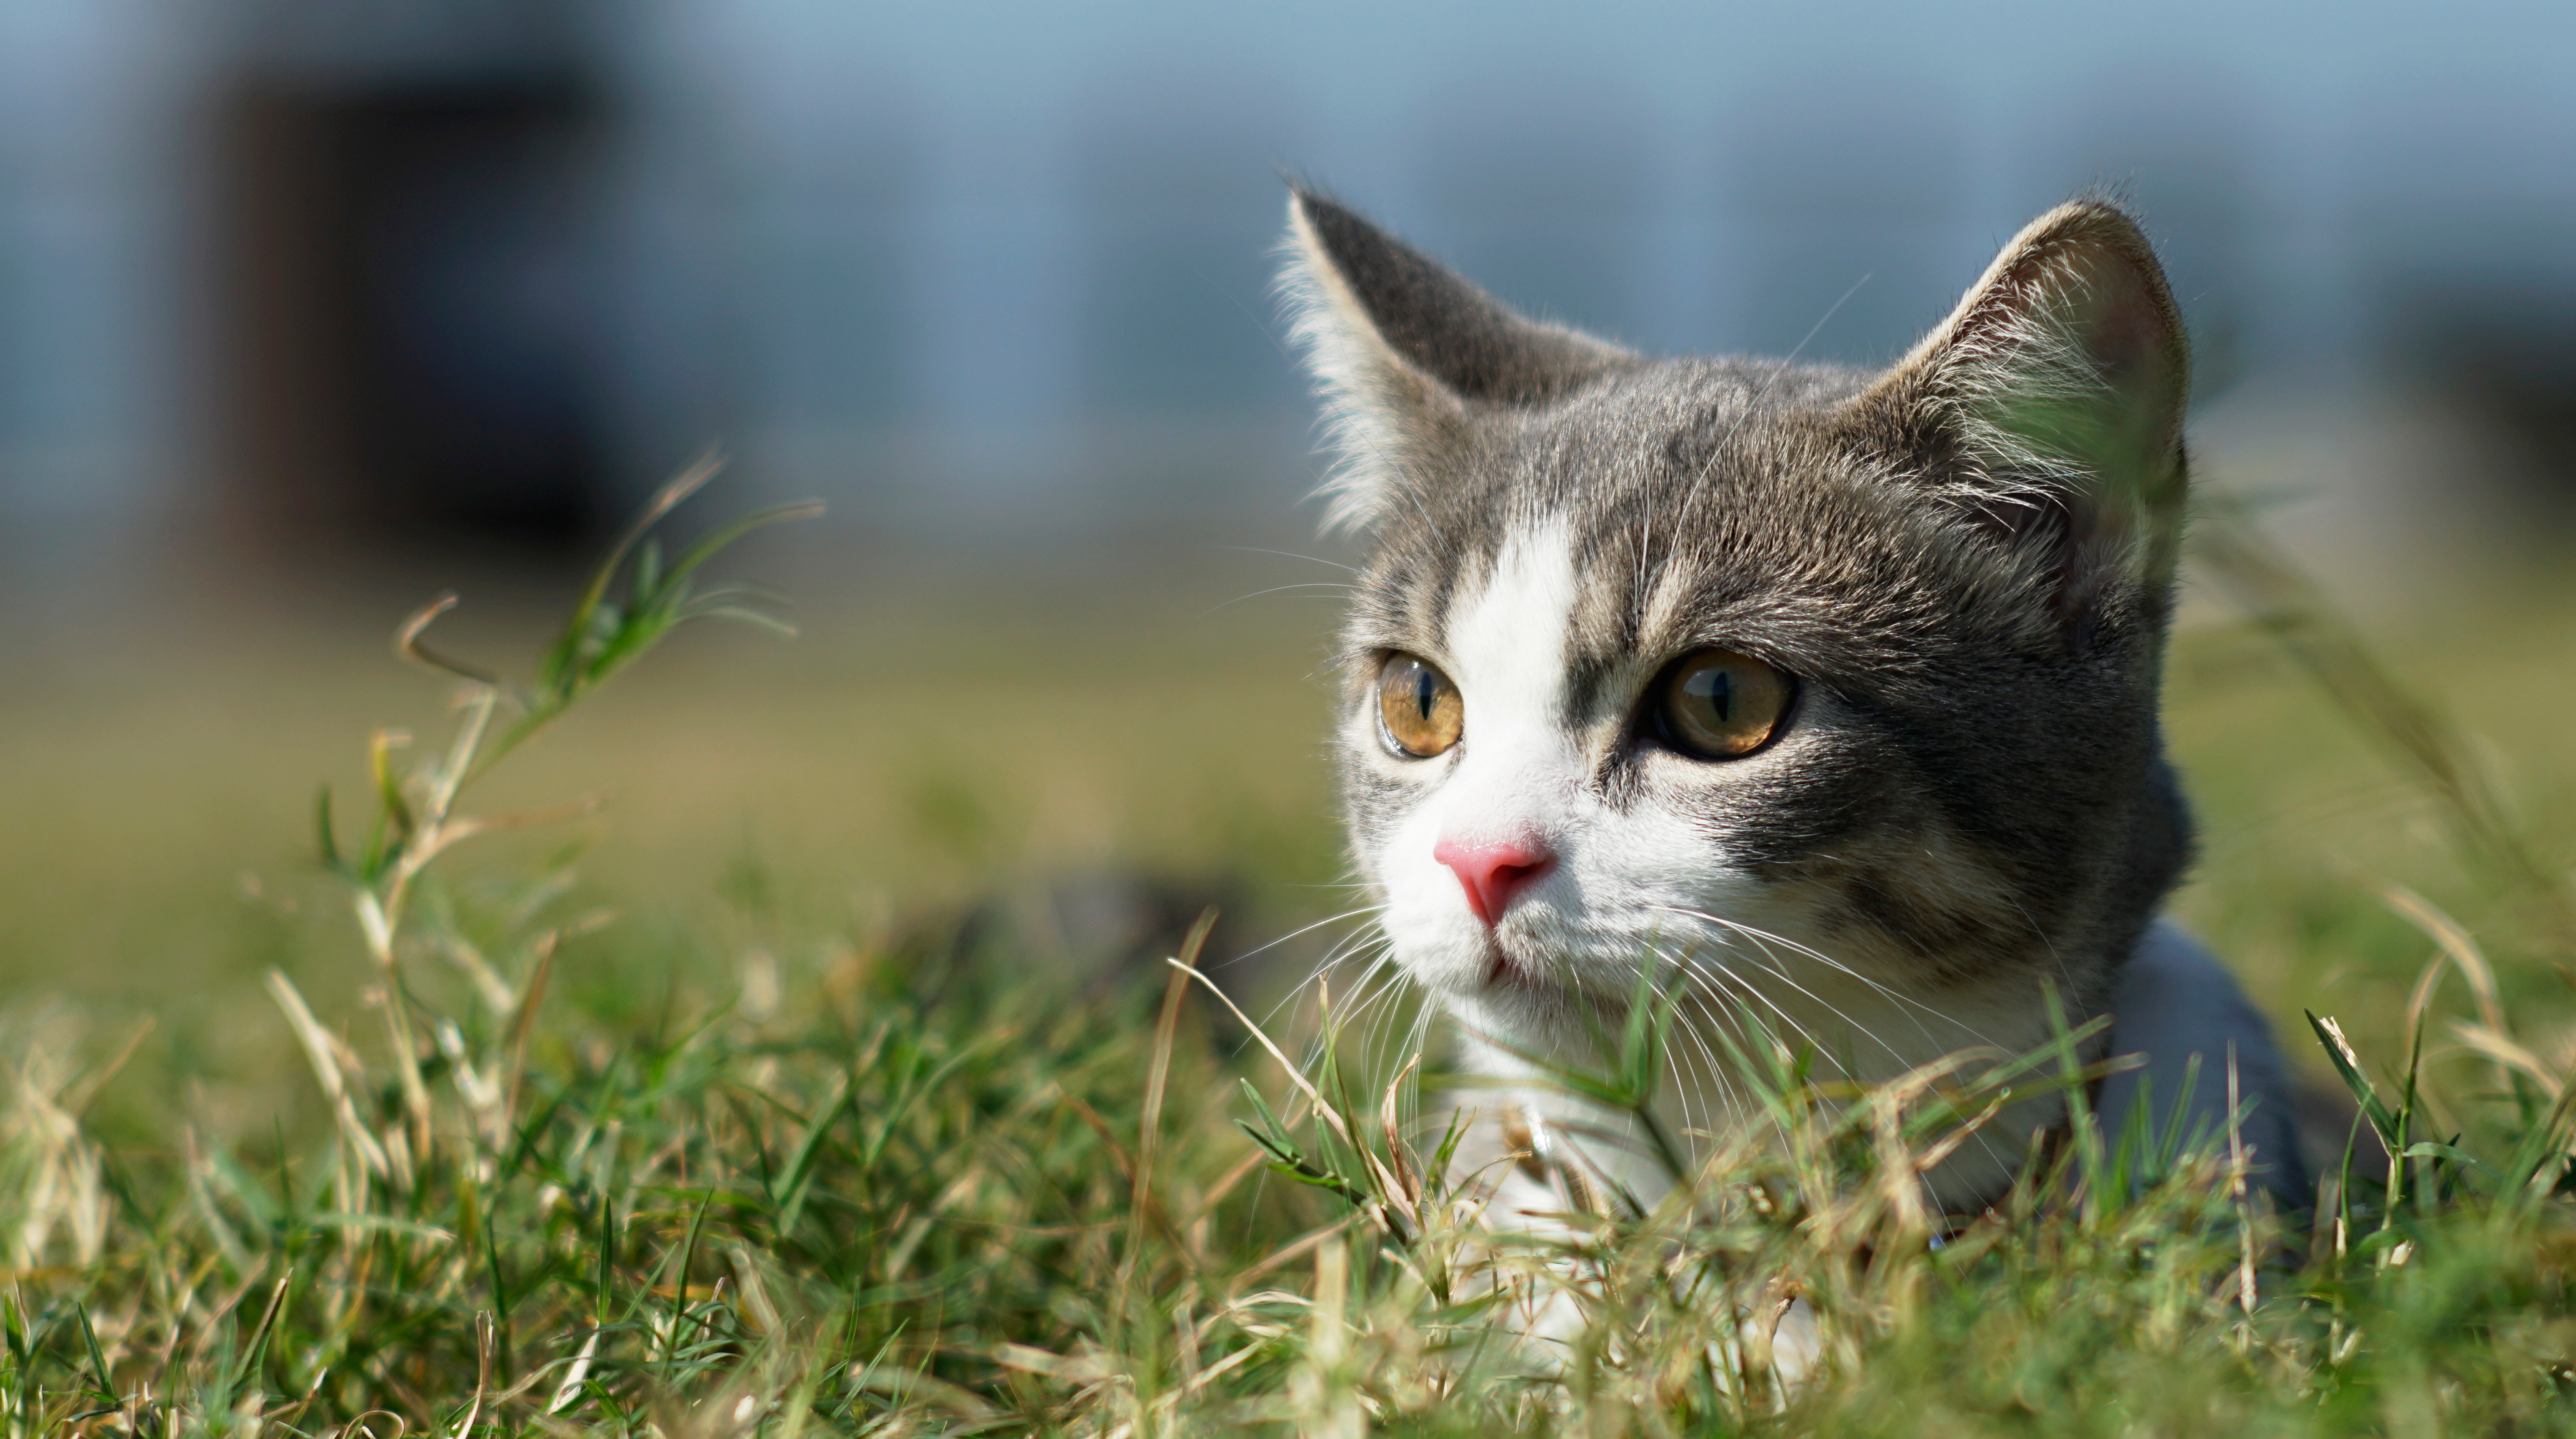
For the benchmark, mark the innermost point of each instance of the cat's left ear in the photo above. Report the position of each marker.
(1408, 353)
(2050, 404)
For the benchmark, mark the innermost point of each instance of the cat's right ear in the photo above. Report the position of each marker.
(1406, 353)
(2052, 400)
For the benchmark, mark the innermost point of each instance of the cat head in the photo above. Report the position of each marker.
(1827, 690)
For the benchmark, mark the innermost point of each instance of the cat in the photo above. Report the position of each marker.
(1827, 692)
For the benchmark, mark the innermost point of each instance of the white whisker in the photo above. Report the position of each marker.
(1780, 972)
(1333, 586)
(1365, 909)
(1760, 939)
(1289, 555)
(1764, 938)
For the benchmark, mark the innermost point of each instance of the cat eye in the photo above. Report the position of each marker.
(1418, 710)
(1717, 704)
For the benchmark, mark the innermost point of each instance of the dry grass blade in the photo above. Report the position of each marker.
(1159, 1071)
(483, 1331)
(568, 1393)
(2455, 943)
(327, 1057)
(1296, 1073)
(256, 1348)
(2501, 1048)
(408, 645)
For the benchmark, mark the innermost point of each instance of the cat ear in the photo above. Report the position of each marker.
(1406, 352)
(2052, 400)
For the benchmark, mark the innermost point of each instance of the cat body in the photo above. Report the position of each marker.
(1823, 693)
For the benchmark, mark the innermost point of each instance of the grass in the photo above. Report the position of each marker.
(790, 1163)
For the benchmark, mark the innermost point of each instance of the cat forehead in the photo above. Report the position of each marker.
(1675, 409)
(1716, 482)
(1628, 450)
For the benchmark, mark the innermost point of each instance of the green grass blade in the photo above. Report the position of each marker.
(800, 1168)
(2364, 1093)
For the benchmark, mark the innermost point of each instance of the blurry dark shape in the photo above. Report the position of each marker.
(1104, 930)
(2464, 247)
(2507, 356)
(1128, 923)
(1180, 203)
(1869, 185)
(2176, 148)
(1541, 191)
(413, 274)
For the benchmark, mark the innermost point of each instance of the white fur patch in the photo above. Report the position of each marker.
(1511, 638)
(1515, 773)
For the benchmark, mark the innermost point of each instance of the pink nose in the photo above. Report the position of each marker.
(1492, 873)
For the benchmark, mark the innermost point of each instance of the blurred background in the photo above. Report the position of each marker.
(309, 279)
(311, 307)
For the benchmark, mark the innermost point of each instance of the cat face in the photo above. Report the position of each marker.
(1823, 692)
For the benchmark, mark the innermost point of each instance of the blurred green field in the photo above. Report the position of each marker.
(2307, 817)
(895, 748)
(917, 747)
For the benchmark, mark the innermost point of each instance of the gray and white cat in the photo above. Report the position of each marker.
(1826, 691)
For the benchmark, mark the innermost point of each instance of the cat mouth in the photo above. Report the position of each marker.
(1504, 973)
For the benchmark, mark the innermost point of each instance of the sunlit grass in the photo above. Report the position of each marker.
(779, 1126)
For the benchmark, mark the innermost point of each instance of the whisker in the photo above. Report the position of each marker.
(1711, 1069)
(1737, 1104)
(1370, 1001)
(1764, 938)
(1302, 930)
(1780, 972)
(1719, 974)
(1343, 951)
(1984, 1143)
(1356, 1000)
(1288, 555)
(2064, 974)
(1334, 585)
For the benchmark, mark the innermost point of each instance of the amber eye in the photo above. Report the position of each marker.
(1718, 705)
(1417, 707)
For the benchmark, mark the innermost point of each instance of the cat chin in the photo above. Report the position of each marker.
(1537, 966)
(1511, 974)
(1536, 997)
(1493, 975)
(1537, 1020)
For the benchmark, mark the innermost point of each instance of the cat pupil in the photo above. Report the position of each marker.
(1424, 692)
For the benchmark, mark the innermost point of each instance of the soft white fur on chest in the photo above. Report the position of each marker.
(1628, 888)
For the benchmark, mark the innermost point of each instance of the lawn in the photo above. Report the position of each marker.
(827, 1075)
